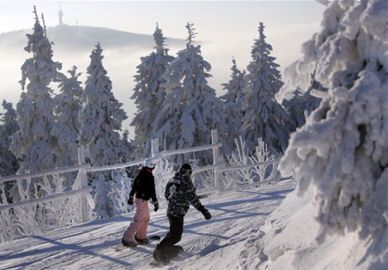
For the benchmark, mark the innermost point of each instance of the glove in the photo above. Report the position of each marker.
(206, 214)
(156, 206)
(130, 200)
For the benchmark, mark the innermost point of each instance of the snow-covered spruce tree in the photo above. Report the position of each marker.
(101, 121)
(68, 107)
(263, 116)
(149, 93)
(299, 105)
(343, 149)
(190, 109)
(8, 162)
(303, 102)
(34, 144)
(119, 188)
(233, 104)
(9, 126)
(129, 154)
(128, 147)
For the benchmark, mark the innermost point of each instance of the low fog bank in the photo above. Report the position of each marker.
(121, 61)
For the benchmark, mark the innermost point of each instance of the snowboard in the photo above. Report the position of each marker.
(154, 238)
(163, 256)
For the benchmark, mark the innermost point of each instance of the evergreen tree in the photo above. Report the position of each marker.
(130, 151)
(264, 117)
(9, 126)
(233, 105)
(34, 144)
(101, 121)
(342, 150)
(128, 146)
(149, 92)
(301, 105)
(68, 107)
(190, 109)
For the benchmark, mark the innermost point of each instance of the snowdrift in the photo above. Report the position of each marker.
(288, 241)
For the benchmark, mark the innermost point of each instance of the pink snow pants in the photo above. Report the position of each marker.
(140, 221)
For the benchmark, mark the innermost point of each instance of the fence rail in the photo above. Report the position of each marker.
(81, 187)
(40, 174)
(155, 155)
(44, 199)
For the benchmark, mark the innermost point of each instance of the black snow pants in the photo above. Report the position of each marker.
(175, 233)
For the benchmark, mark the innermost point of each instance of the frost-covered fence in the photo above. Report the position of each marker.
(165, 169)
(36, 202)
(244, 168)
(221, 175)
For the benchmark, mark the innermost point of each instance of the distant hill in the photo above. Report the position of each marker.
(82, 38)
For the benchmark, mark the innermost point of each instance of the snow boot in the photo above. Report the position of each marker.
(144, 241)
(128, 243)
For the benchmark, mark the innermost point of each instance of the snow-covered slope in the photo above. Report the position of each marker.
(213, 244)
(288, 241)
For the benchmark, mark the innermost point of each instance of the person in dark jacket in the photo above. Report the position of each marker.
(179, 193)
(143, 189)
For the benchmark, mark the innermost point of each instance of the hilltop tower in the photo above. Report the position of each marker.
(60, 13)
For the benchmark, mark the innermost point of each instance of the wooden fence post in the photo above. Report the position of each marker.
(82, 177)
(216, 161)
(154, 153)
(154, 147)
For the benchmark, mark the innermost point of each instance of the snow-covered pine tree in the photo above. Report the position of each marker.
(33, 144)
(300, 104)
(149, 93)
(9, 126)
(263, 116)
(233, 105)
(101, 121)
(130, 154)
(342, 149)
(119, 188)
(190, 109)
(68, 107)
(128, 147)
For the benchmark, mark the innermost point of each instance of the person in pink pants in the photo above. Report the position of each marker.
(143, 189)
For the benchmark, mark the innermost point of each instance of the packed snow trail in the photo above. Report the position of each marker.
(213, 244)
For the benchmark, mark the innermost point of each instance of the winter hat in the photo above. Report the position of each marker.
(149, 163)
(186, 169)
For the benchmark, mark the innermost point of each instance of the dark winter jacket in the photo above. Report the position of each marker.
(144, 186)
(180, 193)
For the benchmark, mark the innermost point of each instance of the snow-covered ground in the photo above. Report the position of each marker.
(220, 243)
(288, 240)
(263, 228)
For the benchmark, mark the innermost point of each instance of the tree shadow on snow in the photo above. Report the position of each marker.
(105, 221)
(376, 248)
(275, 195)
(237, 214)
(57, 246)
(188, 228)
